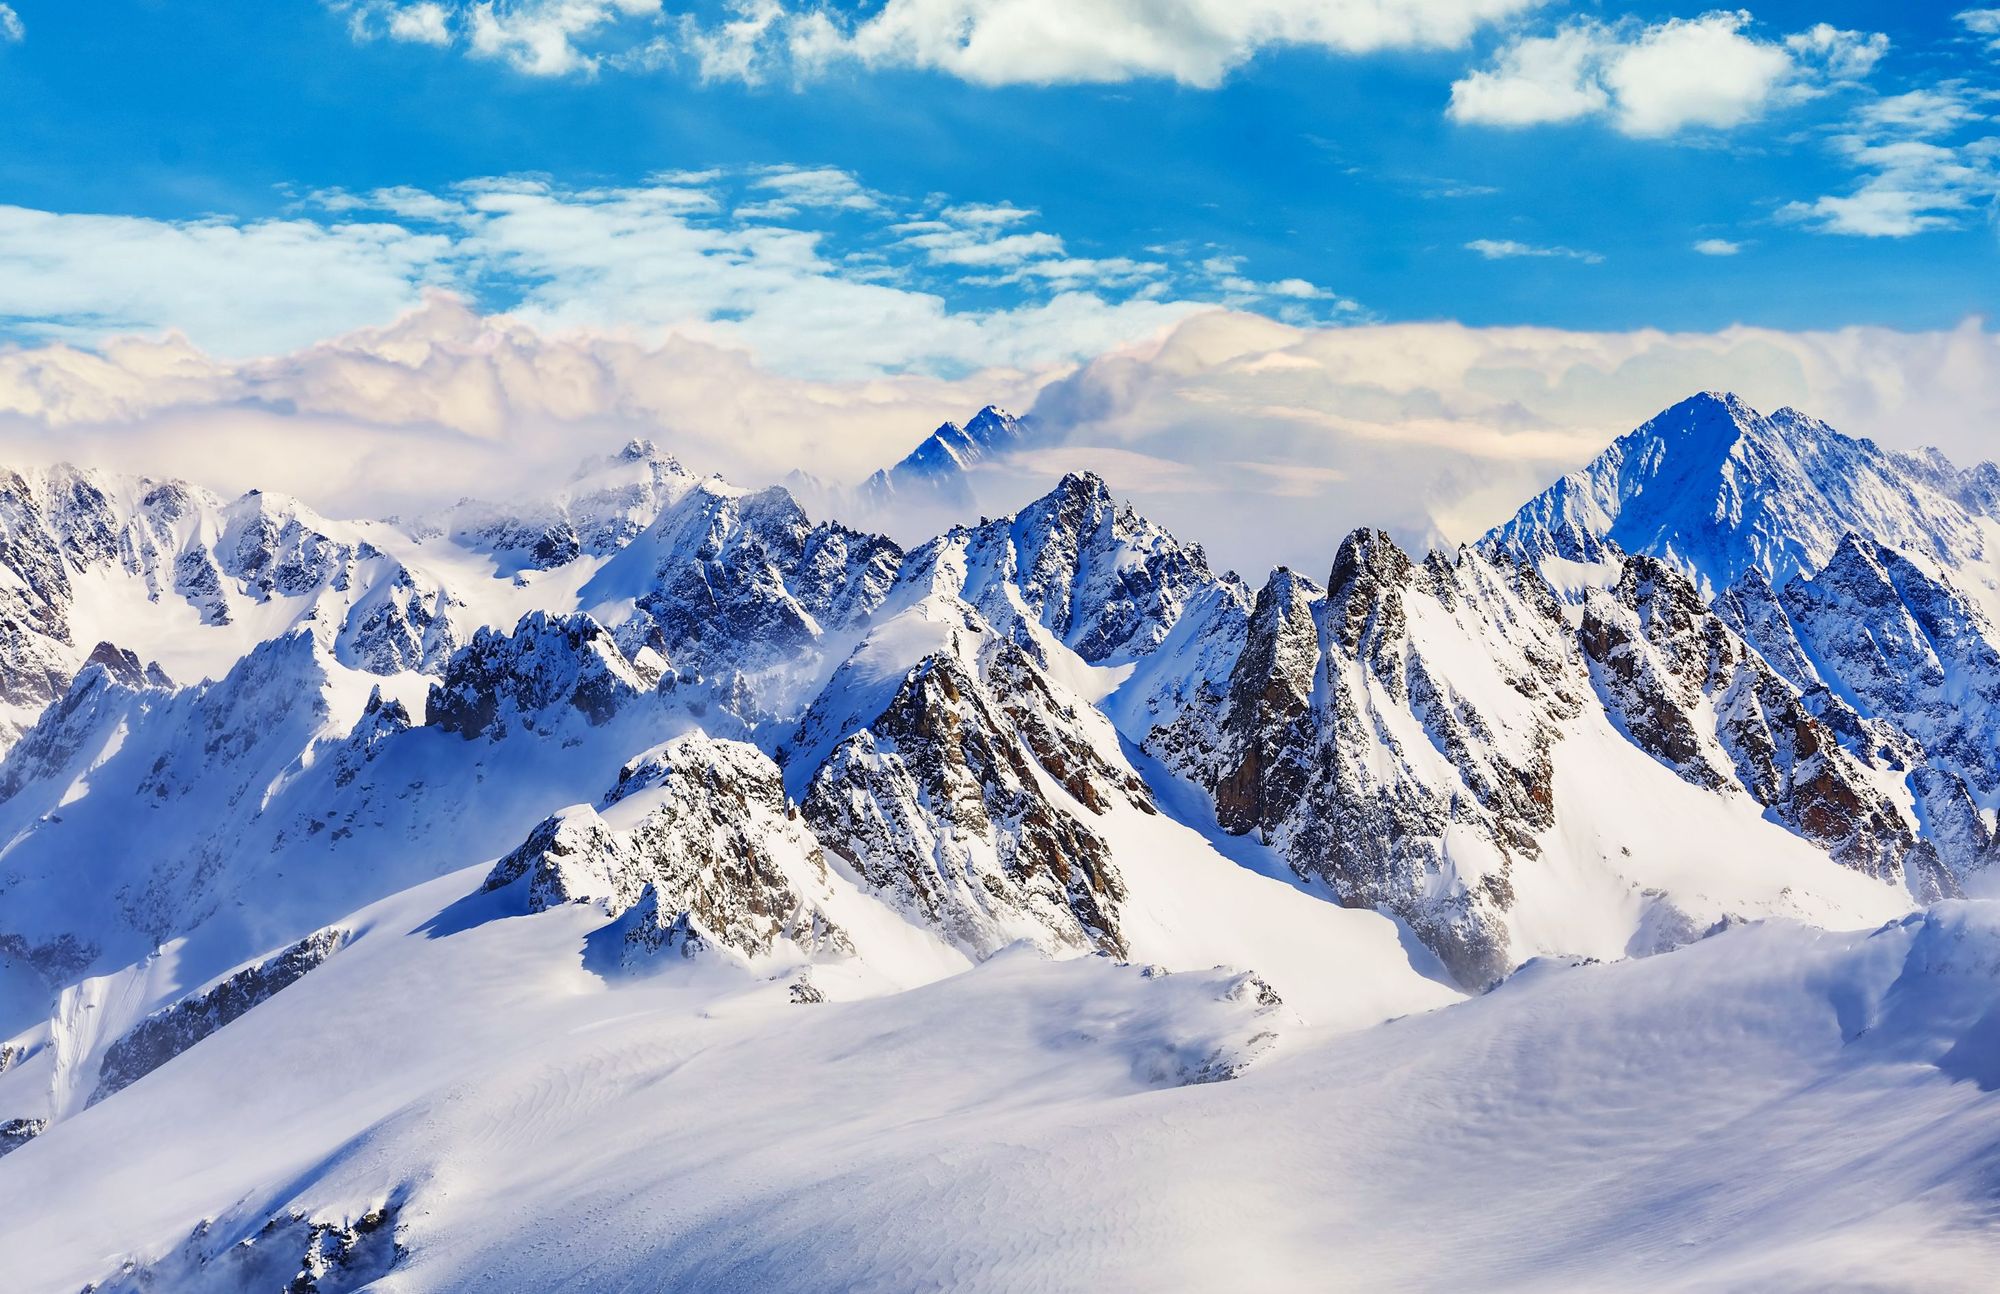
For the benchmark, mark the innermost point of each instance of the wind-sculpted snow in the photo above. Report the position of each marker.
(160, 1037)
(1812, 1108)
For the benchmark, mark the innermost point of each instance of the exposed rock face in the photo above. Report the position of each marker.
(16, 1133)
(548, 668)
(1393, 735)
(1103, 580)
(572, 857)
(718, 854)
(59, 736)
(729, 583)
(292, 1252)
(1908, 648)
(125, 666)
(1903, 669)
(939, 803)
(605, 505)
(160, 1037)
(1687, 690)
(66, 534)
(1266, 720)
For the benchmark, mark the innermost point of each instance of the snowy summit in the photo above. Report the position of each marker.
(659, 871)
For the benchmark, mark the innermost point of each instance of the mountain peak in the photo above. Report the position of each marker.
(1714, 488)
(1084, 485)
(939, 462)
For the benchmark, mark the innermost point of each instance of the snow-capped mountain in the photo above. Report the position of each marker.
(1717, 489)
(510, 817)
(935, 470)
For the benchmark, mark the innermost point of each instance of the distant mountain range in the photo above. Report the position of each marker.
(372, 787)
(936, 468)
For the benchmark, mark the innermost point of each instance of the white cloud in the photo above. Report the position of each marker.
(1437, 431)
(12, 29)
(1196, 42)
(1002, 213)
(823, 187)
(421, 24)
(960, 247)
(1500, 249)
(445, 401)
(538, 37)
(1536, 79)
(242, 288)
(1658, 80)
(1923, 112)
(990, 42)
(1694, 72)
(805, 267)
(1717, 247)
(1913, 179)
(1982, 22)
(1264, 441)
(1842, 56)
(735, 50)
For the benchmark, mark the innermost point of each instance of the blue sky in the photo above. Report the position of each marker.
(1269, 162)
(1393, 261)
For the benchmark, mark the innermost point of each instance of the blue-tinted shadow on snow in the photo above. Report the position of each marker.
(1186, 803)
(476, 909)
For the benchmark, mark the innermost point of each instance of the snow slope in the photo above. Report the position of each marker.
(520, 1123)
(650, 885)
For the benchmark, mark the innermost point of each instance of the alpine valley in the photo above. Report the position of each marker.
(654, 886)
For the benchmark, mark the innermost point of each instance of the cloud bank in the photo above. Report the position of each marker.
(1265, 441)
(987, 42)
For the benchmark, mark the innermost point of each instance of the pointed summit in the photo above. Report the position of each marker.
(938, 464)
(1715, 488)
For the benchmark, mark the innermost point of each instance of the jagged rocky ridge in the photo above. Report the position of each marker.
(715, 858)
(938, 719)
(936, 468)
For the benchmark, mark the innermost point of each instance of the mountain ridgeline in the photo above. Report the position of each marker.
(1738, 666)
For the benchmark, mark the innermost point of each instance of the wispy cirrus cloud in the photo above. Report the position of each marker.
(1918, 170)
(1503, 249)
(807, 267)
(12, 30)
